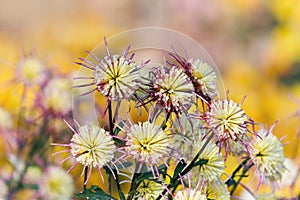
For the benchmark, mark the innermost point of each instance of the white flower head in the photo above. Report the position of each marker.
(57, 96)
(268, 157)
(147, 143)
(116, 77)
(228, 121)
(189, 194)
(204, 78)
(32, 175)
(31, 70)
(171, 88)
(56, 184)
(92, 147)
(212, 163)
(217, 190)
(148, 190)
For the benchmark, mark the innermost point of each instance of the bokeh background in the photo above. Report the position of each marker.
(254, 43)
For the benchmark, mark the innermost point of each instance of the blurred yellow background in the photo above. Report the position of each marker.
(255, 44)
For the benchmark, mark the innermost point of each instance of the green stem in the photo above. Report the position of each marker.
(121, 195)
(164, 124)
(85, 177)
(133, 187)
(230, 181)
(188, 168)
(110, 118)
(133, 184)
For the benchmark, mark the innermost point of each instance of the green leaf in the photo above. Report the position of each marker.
(200, 162)
(94, 193)
(119, 127)
(180, 166)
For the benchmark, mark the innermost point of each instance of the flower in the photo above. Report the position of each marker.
(56, 184)
(5, 119)
(171, 88)
(236, 148)
(148, 190)
(217, 190)
(115, 77)
(185, 130)
(201, 74)
(32, 175)
(189, 194)
(57, 96)
(211, 163)
(31, 70)
(227, 120)
(204, 78)
(147, 142)
(267, 156)
(92, 147)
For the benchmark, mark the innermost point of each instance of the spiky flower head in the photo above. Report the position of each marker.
(204, 78)
(92, 147)
(147, 142)
(201, 74)
(267, 156)
(217, 190)
(148, 190)
(227, 120)
(56, 184)
(189, 194)
(171, 88)
(211, 163)
(116, 76)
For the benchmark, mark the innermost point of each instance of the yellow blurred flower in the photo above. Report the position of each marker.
(56, 184)
(57, 95)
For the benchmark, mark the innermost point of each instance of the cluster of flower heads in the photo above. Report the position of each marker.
(26, 130)
(189, 135)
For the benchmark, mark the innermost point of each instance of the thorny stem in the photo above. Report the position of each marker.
(230, 181)
(188, 168)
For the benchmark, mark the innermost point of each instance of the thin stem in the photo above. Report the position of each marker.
(164, 124)
(111, 131)
(121, 195)
(230, 181)
(110, 118)
(245, 170)
(188, 168)
(85, 177)
(133, 184)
